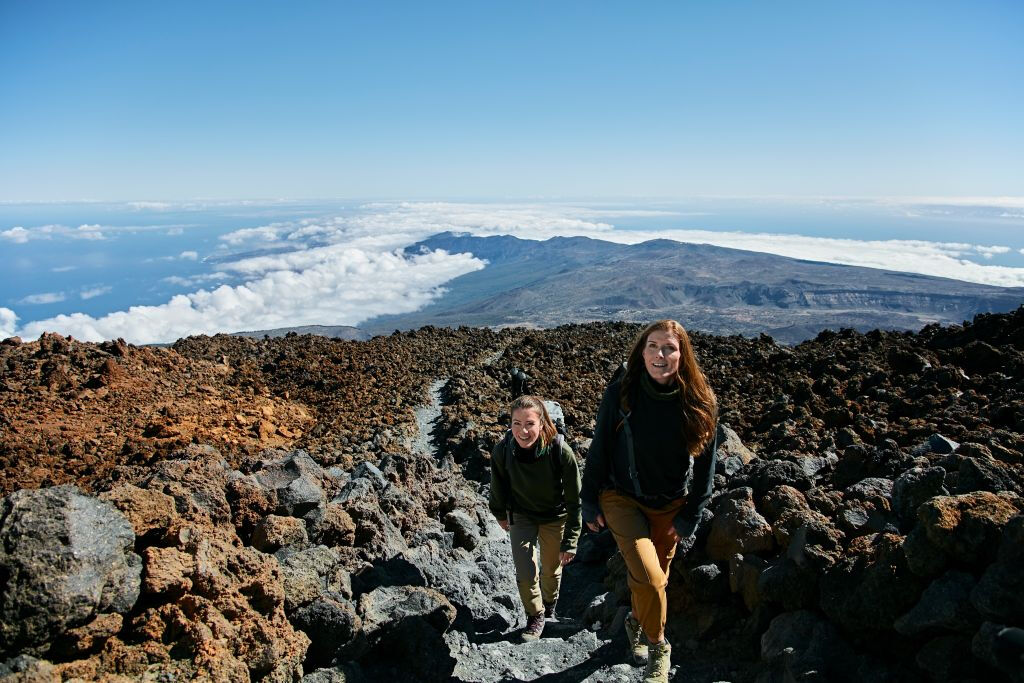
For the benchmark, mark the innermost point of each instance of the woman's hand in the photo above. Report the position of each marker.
(673, 535)
(597, 524)
(503, 523)
(565, 558)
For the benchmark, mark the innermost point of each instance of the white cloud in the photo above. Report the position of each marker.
(989, 252)
(194, 280)
(44, 298)
(88, 232)
(391, 225)
(63, 269)
(17, 234)
(345, 287)
(8, 321)
(94, 292)
(266, 233)
(189, 255)
(176, 231)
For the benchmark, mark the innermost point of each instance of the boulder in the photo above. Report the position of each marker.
(945, 606)
(780, 500)
(334, 628)
(336, 527)
(145, 510)
(785, 583)
(464, 527)
(65, 557)
(406, 625)
(936, 443)
(276, 532)
(815, 542)
(816, 645)
(168, 571)
(968, 527)
(196, 478)
(311, 572)
(912, 489)
(871, 587)
(999, 595)
(732, 454)
(738, 527)
(976, 474)
(744, 572)
(763, 475)
(298, 482)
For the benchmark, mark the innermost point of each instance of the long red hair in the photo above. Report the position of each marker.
(699, 405)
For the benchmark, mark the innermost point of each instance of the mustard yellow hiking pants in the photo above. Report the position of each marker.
(537, 585)
(645, 539)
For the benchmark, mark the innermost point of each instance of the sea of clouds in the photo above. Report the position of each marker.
(345, 269)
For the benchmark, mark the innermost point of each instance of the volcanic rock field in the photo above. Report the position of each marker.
(306, 508)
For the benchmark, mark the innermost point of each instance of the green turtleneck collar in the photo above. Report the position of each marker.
(658, 392)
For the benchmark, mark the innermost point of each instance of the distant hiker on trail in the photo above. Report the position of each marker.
(535, 495)
(656, 419)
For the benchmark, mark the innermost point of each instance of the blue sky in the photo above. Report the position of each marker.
(182, 167)
(137, 100)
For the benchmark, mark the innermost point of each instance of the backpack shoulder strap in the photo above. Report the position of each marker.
(556, 459)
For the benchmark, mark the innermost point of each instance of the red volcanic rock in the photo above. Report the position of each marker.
(968, 527)
(146, 510)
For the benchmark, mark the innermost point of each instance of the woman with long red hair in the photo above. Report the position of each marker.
(656, 430)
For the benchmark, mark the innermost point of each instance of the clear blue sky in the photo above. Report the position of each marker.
(165, 100)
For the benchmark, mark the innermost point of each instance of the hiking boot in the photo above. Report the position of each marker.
(549, 612)
(659, 661)
(636, 639)
(534, 627)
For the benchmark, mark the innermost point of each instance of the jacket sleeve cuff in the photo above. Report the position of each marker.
(686, 524)
(590, 511)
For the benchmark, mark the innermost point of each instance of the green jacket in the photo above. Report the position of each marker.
(532, 490)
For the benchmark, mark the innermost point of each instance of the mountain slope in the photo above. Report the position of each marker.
(713, 289)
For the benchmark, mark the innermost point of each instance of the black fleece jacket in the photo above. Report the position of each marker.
(665, 471)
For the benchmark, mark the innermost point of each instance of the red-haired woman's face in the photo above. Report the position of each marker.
(526, 426)
(661, 356)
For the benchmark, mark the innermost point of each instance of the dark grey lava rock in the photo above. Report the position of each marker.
(871, 587)
(787, 584)
(707, 582)
(936, 443)
(976, 474)
(738, 527)
(405, 625)
(309, 573)
(948, 658)
(333, 627)
(944, 606)
(465, 528)
(480, 584)
(913, 488)
(763, 475)
(817, 645)
(64, 557)
(999, 595)
(990, 646)
(27, 669)
(924, 558)
(370, 472)
(732, 454)
(298, 482)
